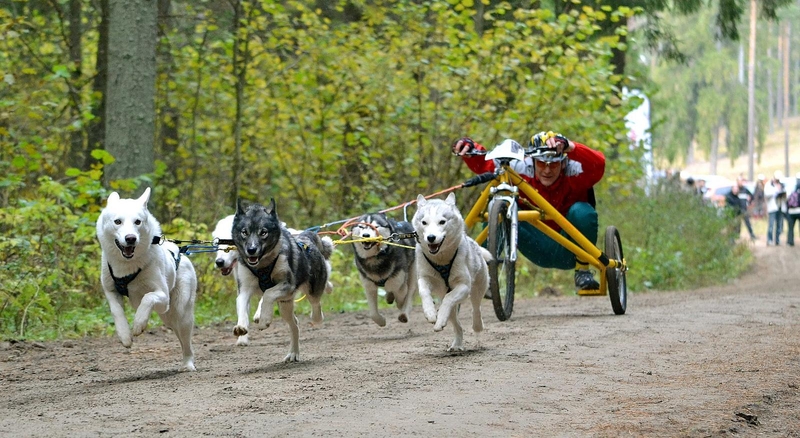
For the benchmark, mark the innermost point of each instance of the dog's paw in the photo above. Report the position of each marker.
(291, 357)
(456, 348)
(243, 340)
(389, 297)
(262, 323)
(138, 328)
(438, 327)
(403, 318)
(379, 319)
(431, 317)
(189, 366)
(239, 331)
(126, 341)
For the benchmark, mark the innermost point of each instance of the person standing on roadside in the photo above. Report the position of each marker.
(759, 204)
(737, 200)
(774, 194)
(793, 206)
(745, 199)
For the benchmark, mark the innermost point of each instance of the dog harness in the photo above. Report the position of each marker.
(264, 275)
(121, 283)
(444, 270)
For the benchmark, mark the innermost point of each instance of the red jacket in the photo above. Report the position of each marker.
(584, 169)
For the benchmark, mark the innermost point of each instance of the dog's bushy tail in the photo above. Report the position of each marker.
(325, 246)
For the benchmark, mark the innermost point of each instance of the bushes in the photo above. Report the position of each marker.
(672, 240)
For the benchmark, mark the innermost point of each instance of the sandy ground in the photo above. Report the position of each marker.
(721, 361)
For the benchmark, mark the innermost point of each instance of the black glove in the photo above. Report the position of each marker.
(463, 145)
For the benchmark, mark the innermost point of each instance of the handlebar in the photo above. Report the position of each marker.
(479, 179)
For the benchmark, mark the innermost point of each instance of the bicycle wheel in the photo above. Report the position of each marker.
(502, 269)
(615, 278)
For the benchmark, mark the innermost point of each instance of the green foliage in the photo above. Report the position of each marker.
(672, 240)
(333, 118)
(49, 252)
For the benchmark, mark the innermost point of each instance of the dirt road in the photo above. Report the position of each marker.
(714, 362)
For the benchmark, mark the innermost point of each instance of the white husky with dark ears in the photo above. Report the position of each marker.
(153, 276)
(450, 265)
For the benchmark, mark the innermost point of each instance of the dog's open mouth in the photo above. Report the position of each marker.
(433, 248)
(226, 271)
(368, 245)
(127, 251)
(252, 261)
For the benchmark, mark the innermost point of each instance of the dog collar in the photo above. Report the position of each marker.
(121, 283)
(443, 270)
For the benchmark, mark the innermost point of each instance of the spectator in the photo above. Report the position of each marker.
(759, 203)
(793, 205)
(774, 194)
(737, 200)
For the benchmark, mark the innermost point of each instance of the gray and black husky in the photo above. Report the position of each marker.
(279, 265)
(383, 265)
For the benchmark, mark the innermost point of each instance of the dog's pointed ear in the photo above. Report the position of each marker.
(113, 197)
(421, 200)
(239, 207)
(271, 207)
(145, 197)
(451, 199)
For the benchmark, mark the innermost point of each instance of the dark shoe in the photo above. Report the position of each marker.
(584, 280)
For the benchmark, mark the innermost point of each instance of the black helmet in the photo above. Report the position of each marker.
(538, 149)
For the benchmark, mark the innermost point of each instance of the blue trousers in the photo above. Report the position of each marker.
(543, 251)
(774, 227)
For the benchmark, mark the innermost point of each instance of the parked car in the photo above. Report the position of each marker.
(716, 193)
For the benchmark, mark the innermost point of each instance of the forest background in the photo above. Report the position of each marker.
(337, 109)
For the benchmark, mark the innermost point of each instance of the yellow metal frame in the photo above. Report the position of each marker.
(585, 250)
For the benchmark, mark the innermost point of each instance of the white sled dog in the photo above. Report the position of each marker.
(275, 263)
(151, 274)
(226, 260)
(384, 265)
(450, 265)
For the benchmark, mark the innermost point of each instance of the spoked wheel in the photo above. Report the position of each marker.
(502, 268)
(615, 278)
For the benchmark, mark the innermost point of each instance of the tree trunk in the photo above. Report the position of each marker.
(787, 30)
(779, 95)
(97, 126)
(77, 150)
(751, 91)
(770, 92)
(240, 61)
(130, 111)
(713, 156)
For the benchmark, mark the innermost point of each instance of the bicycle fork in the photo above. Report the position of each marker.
(508, 193)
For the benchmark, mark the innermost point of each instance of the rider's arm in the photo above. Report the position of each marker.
(478, 163)
(592, 164)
